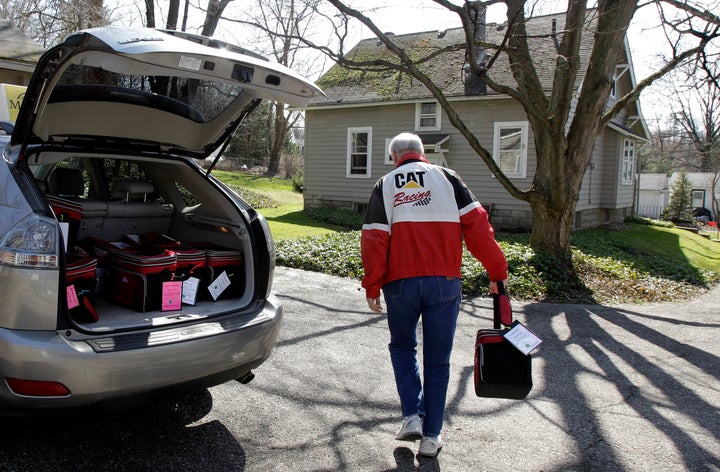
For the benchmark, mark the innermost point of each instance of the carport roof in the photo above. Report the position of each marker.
(16, 47)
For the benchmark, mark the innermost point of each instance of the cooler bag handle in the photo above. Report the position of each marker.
(502, 311)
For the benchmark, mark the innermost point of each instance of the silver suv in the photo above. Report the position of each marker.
(124, 267)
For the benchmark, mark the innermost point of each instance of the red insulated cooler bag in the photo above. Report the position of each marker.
(136, 274)
(80, 281)
(501, 370)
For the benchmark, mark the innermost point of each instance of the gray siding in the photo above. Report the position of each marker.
(326, 183)
(326, 150)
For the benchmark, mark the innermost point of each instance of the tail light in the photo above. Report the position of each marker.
(37, 388)
(32, 243)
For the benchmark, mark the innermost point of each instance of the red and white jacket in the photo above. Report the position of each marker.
(415, 223)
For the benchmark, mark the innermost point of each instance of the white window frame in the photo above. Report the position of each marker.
(698, 197)
(521, 164)
(351, 151)
(627, 170)
(388, 157)
(419, 116)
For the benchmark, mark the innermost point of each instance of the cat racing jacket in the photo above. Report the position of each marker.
(417, 217)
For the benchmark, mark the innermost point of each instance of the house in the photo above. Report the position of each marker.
(704, 186)
(653, 195)
(348, 130)
(18, 55)
(654, 192)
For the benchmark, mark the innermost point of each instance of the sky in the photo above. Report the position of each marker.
(646, 41)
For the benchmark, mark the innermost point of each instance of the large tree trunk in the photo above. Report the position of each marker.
(96, 14)
(150, 13)
(552, 227)
(280, 128)
(173, 14)
(212, 17)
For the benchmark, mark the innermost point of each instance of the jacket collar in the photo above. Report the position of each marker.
(410, 157)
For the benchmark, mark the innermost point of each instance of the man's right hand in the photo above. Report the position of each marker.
(494, 286)
(375, 305)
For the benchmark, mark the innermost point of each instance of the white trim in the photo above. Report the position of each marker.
(627, 162)
(328, 106)
(625, 132)
(348, 161)
(419, 116)
(388, 157)
(435, 153)
(521, 164)
(437, 158)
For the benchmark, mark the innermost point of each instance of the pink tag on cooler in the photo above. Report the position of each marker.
(171, 296)
(72, 298)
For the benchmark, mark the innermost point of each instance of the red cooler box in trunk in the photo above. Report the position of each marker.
(80, 284)
(191, 262)
(136, 274)
(220, 259)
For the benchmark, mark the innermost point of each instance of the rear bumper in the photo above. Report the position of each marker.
(204, 353)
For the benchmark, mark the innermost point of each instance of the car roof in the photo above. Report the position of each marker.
(146, 89)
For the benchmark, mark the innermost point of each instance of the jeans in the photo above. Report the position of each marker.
(437, 299)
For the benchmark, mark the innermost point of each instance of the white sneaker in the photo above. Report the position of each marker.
(430, 447)
(411, 429)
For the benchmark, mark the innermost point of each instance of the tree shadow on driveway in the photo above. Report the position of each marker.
(620, 388)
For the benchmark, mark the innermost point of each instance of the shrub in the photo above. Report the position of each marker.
(256, 200)
(335, 216)
(607, 268)
(648, 221)
(679, 209)
(298, 181)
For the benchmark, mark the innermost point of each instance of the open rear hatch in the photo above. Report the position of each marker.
(109, 126)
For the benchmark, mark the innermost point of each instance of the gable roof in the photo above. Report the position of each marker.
(699, 180)
(445, 69)
(657, 182)
(17, 48)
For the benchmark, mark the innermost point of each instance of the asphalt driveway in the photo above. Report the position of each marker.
(616, 388)
(626, 388)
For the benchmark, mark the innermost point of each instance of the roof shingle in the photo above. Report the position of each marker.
(445, 68)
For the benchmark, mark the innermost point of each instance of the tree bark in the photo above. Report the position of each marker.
(552, 228)
(150, 13)
(277, 143)
(173, 14)
(212, 17)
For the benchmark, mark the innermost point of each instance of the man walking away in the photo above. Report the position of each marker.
(412, 237)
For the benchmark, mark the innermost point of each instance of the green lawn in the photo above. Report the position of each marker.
(279, 204)
(288, 221)
(675, 244)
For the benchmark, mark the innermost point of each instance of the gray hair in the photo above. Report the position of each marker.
(406, 142)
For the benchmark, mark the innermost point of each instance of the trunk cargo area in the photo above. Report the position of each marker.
(134, 261)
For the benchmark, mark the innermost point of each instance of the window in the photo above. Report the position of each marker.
(388, 156)
(427, 116)
(698, 198)
(628, 162)
(510, 148)
(359, 152)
